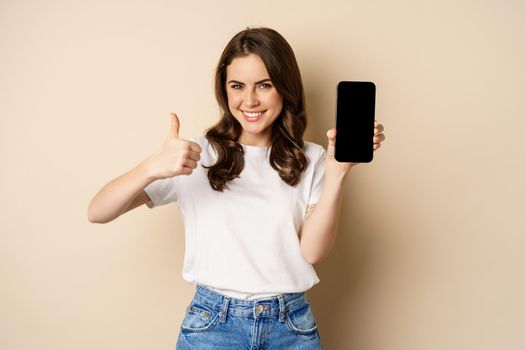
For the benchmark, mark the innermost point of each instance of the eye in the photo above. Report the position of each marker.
(236, 86)
(265, 86)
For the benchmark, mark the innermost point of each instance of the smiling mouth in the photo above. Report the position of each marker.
(252, 115)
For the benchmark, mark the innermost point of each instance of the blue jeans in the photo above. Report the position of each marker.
(217, 321)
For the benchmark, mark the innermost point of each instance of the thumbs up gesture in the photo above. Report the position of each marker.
(176, 156)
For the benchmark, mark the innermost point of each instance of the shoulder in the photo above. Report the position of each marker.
(314, 151)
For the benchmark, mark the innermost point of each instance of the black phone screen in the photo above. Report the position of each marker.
(355, 118)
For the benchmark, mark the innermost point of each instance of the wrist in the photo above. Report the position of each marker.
(334, 181)
(146, 170)
(336, 177)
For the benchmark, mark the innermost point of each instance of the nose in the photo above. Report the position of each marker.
(251, 99)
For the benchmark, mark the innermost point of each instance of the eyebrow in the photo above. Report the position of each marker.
(259, 82)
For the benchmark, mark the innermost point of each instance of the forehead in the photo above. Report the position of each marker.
(248, 68)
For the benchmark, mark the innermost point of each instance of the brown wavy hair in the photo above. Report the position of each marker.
(287, 155)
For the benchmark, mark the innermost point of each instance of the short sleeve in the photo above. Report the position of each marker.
(318, 177)
(162, 191)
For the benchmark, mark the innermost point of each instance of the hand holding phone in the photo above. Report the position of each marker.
(355, 116)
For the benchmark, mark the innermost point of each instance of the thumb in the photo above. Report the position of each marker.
(331, 141)
(175, 124)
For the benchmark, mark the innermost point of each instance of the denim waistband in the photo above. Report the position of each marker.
(278, 305)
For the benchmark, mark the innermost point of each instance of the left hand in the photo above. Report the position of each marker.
(335, 168)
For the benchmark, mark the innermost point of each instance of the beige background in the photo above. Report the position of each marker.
(430, 251)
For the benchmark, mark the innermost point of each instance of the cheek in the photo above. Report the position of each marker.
(278, 102)
(233, 100)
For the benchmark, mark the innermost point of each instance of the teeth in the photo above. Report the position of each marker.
(252, 115)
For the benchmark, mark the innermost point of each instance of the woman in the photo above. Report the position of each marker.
(252, 234)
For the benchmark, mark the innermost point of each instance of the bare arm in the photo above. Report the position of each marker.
(120, 195)
(126, 192)
(319, 230)
(320, 227)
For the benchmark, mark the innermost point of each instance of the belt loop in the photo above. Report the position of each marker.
(224, 310)
(282, 310)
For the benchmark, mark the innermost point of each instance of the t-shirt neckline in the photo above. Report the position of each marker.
(255, 150)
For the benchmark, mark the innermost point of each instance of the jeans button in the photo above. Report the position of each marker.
(259, 308)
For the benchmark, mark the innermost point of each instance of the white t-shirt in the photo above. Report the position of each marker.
(243, 242)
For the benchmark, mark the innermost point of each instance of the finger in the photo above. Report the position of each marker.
(379, 138)
(186, 171)
(331, 134)
(190, 163)
(196, 156)
(186, 152)
(379, 128)
(195, 147)
(331, 141)
(175, 125)
(190, 146)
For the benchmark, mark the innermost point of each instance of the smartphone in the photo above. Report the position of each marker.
(355, 117)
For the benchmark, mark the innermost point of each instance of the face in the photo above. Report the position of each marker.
(253, 99)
